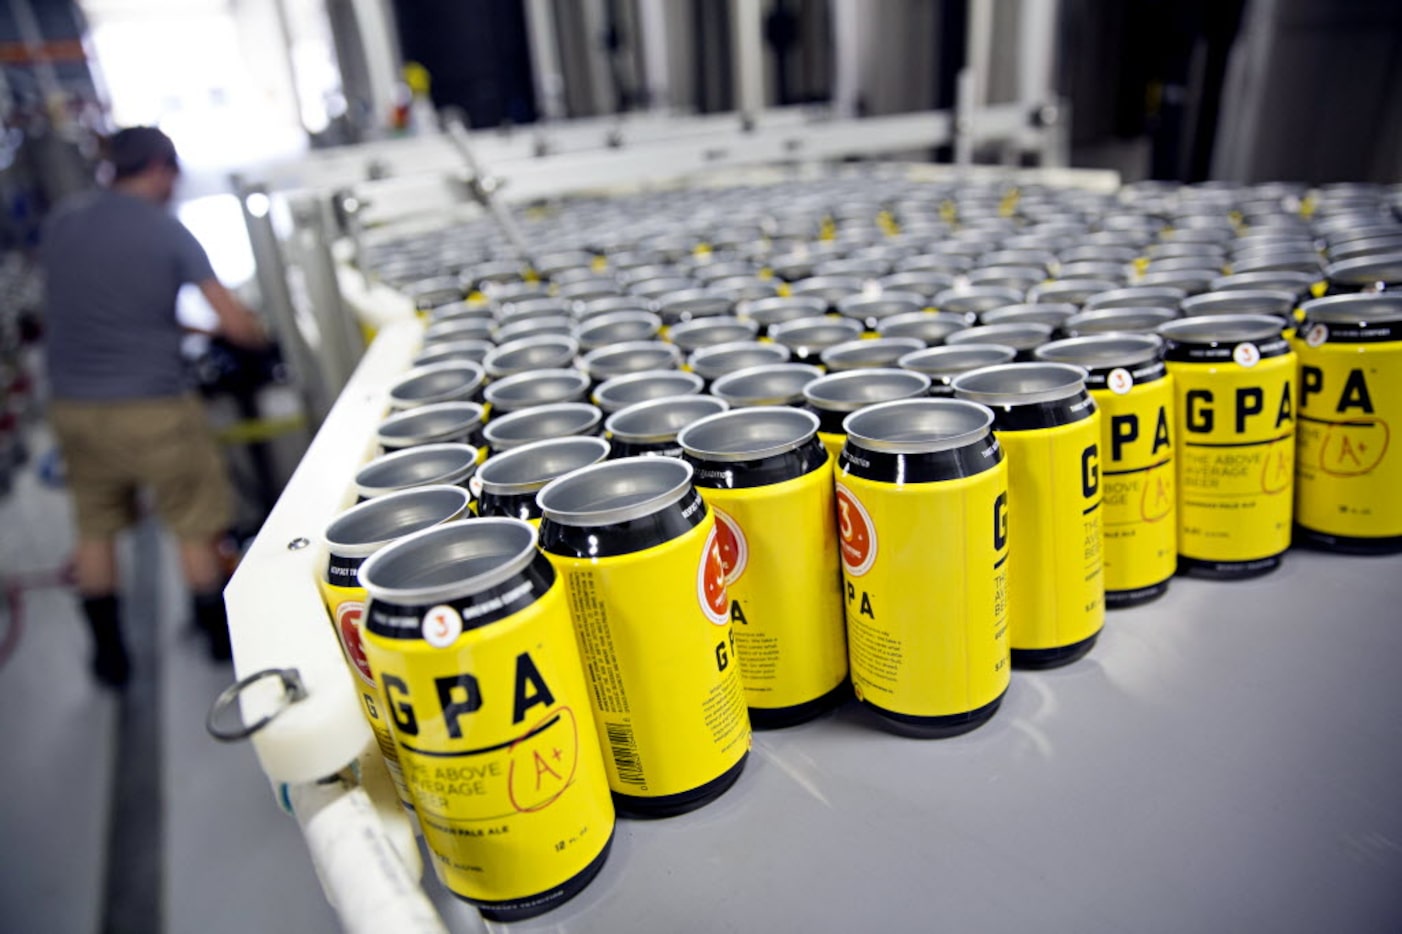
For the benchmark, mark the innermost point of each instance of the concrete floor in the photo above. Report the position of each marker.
(225, 858)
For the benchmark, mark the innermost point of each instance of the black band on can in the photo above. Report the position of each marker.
(393, 621)
(624, 538)
(1035, 415)
(743, 475)
(1220, 351)
(1153, 371)
(343, 572)
(931, 467)
(508, 505)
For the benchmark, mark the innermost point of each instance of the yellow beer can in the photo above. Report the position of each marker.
(468, 636)
(640, 557)
(1348, 475)
(922, 515)
(508, 482)
(835, 396)
(1234, 400)
(1049, 425)
(768, 479)
(350, 539)
(1129, 382)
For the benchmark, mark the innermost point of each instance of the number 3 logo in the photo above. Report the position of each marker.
(441, 626)
(858, 534)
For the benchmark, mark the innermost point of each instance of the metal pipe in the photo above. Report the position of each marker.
(746, 24)
(545, 59)
(270, 268)
(652, 30)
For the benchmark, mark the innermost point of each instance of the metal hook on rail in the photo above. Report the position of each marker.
(292, 691)
(484, 188)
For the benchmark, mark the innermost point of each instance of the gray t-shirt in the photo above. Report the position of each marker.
(114, 264)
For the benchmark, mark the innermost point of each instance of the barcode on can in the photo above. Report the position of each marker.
(625, 753)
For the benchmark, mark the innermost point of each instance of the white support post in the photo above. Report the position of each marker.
(545, 59)
(747, 56)
(652, 30)
(847, 31)
(383, 62)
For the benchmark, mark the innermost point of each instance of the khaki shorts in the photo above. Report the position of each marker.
(114, 449)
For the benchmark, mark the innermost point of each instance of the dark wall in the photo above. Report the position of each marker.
(477, 54)
(1150, 68)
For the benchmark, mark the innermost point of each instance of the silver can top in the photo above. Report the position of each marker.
(622, 391)
(535, 388)
(557, 420)
(719, 359)
(1022, 336)
(416, 466)
(1099, 351)
(692, 335)
(748, 434)
(531, 353)
(929, 327)
(847, 392)
(618, 491)
(1137, 295)
(918, 426)
(438, 382)
(1118, 320)
(809, 334)
(1212, 329)
(529, 467)
(868, 353)
(1357, 308)
(1241, 302)
(365, 528)
(428, 423)
(616, 327)
(659, 420)
(1020, 383)
(630, 357)
(939, 362)
(473, 349)
(774, 384)
(449, 562)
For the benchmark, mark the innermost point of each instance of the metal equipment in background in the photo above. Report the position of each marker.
(300, 214)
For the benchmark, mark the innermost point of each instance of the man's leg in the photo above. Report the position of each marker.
(102, 505)
(186, 472)
(96, 567)
(204, 573)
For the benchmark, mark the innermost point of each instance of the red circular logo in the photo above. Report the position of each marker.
(710, 581)
(348, 616)
(734, 551)
(857, 532)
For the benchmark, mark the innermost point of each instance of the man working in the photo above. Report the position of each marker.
(122, 408)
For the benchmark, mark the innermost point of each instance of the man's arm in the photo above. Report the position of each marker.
(236, 323)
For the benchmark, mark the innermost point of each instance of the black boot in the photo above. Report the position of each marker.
(110, 664)
(212, 621)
